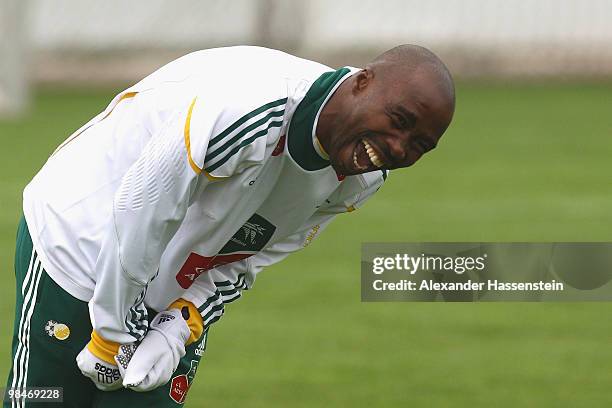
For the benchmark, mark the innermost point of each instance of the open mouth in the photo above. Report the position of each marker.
(365, 157)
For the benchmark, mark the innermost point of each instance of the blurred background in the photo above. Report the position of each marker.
(527, 158)
(91, 42)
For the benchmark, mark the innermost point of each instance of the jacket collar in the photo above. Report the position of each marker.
(301, 137)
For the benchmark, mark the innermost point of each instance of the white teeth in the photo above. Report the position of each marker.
(356, 163)
(372, 154)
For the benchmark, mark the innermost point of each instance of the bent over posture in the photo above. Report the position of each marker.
(164, 207)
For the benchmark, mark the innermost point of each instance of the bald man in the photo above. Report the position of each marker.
(390, 113)
(163, 208)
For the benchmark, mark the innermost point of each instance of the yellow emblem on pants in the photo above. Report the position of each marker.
(61, 331)
(58, 330)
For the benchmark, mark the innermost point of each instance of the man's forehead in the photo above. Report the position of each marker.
(418, 90)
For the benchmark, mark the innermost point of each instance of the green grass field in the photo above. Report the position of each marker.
(520, 163)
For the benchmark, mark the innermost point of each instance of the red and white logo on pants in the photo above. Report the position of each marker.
(181, 383)
(179, 388)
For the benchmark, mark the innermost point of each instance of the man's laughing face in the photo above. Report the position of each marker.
(391, 122)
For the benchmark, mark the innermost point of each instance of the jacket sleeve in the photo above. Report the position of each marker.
(224, 284)
(148, 207)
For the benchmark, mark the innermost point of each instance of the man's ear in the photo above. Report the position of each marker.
(362, 80)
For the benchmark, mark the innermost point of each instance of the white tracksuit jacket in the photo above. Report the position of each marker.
(188, 184)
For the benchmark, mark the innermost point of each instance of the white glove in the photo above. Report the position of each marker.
(157, 356)
(105, 375)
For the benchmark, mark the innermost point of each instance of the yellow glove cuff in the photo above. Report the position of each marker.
(103, 349)
(195, 323)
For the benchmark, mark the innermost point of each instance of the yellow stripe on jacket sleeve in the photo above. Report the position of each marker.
(187, 133)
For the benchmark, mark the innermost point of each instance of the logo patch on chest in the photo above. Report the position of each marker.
(251, 238)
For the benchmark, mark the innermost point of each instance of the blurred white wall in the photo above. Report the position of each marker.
(114, 40)
(92, 24)
(471, 23)
(14, 87)
(116, 24)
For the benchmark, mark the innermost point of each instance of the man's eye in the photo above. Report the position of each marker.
(402, 122)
